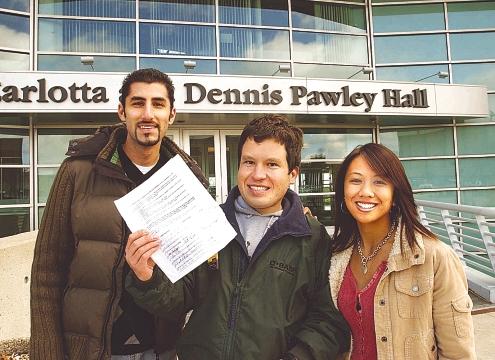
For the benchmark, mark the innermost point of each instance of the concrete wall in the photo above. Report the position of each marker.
(16, 256)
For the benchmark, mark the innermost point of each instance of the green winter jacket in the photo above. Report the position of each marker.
(257, 308)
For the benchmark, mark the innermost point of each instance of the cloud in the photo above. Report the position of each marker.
(13, 39)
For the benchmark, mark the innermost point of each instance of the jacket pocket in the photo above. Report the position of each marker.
(412, 289)
(461, 312)
(419, 346)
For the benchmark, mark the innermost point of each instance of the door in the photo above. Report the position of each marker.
(215, 151)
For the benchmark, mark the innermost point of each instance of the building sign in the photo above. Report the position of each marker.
(418, 98)
(98, 92)
(57, 94)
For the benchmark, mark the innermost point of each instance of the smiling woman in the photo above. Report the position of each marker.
(384, 256)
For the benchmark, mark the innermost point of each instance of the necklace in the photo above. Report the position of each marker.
(366, 259)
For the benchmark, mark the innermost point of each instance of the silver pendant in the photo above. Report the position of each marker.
(365, 268)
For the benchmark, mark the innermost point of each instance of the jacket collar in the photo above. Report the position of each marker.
(397, 260)
(103, 145)
(292, 222)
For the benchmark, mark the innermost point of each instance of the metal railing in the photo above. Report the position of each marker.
(470, 230)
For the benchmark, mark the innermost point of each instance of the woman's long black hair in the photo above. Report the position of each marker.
(386, 164)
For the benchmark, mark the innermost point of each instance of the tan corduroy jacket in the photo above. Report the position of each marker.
(422, 306)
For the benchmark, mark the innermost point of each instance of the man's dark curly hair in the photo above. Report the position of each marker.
(276, 127)
(147, 76)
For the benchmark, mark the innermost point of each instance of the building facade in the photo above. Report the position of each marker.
(319, 62)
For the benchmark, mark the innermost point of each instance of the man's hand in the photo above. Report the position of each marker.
(140, 245)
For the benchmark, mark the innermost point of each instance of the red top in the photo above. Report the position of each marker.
(357, 307)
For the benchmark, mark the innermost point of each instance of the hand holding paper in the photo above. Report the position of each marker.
(140, 246)
(173, 205)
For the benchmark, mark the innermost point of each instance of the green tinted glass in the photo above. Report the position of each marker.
(413, 73)
(14, 221)
(477, 172)
(472, 46)
(440, 196)
(410, 48)
(318, 144)
(478, 197)
(472, 140)
(408, 18)
(419, 142)
(471, 15)
(14, 146)
(45, 181)
(430, 174)
(53, 143)
(474, 74)
(321, 206)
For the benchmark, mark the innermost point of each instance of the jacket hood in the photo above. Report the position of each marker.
(103, 145)
(292, 222)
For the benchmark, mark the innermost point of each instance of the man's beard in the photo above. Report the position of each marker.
(149, 141)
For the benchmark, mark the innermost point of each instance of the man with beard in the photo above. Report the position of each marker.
(79, 308)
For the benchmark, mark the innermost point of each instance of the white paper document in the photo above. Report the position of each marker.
(174, 205)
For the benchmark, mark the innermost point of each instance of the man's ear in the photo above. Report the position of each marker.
(293, 174)
(121, 112)
(173, 114)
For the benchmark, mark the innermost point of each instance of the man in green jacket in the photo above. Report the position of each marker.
(79, 310)
(268, 296)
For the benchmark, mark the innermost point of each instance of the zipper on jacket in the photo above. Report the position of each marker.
(113, 293)
(238, 275)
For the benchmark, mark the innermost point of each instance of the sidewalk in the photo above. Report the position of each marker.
(484, 328)
(484, 331)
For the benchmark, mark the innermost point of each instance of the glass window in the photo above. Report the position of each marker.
(13, 119)
(176, 65)
(317, 177)
(328, 17)
(412, 120)
(331, 143)
(14, 186)
(41, 210)
(173, 39)
(10, 61)
(419, 142)
(178, 10)
(14, 221)
(87, 36)
(53, 143)
(257, 68)
(408, 18)
(14, 147)
(472, 46)
(45, 181)
(73, 63)
(344, 49)
(321, 206)
(440, 196)
(477, 172)
(474, 140)
(254, 43)
(254, 12)
(19, 5)
(412, 73)
(329, 71)
(484, 198)
(89, 8)
(430, 174)
(472, 15)
(491, 113)
(15, 31)
(474, 74)
(410, 48)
